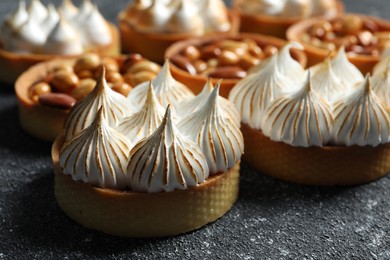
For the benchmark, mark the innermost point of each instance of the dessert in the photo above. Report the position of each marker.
(363, 37)
(35, 33)
(150, 27)
(146, 172)
(270, 17)
(316, 127)
(227, 57)
(47, 91)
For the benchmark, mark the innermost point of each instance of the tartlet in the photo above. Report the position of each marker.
(325, 126)
(45, 121)
(13, 63)
(211, 52)
(274, 24)
(152, 44)
(146, 173)
(364, 38)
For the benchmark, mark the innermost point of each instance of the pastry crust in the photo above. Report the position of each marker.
(197, 82)
(14, 64)
(153, 45)
(365, 63)
(271, 25)
(328, 165)
(136, 214)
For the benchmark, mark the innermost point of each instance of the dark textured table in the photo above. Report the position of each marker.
(271, 219)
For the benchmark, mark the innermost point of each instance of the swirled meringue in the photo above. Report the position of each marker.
(37, 11)
(94, 29)
(288, 66)
(215, 16)
(153, 18)
(345, 70)
(380, 83)
(97, 155)
(68, 9)
(216, 133)
(269, 7)
(297, 8)
(299, 118)
(51, 20)
(192, 105)
(82, 114)
(253, 94)
(143, 123)
(326, 83)
(167, 89)
(185, 19)
(11, 23)
(327, 8)
(361, 118)
(29, 37)
(63, 39)
(166, 161)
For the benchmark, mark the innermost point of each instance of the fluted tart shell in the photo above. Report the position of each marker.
(153, 45)
(137, 214)
(325, 166)
(14, 64)
(271, 25)
(197, 82)
(365, 63)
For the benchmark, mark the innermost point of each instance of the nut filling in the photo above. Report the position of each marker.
(67, 83)
(228, 59)
(359, 35)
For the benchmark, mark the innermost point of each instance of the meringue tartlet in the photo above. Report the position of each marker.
(325, 126)
(364, 38)
(150, 27)
(35, 34)
(275, 17)
(140, 170)
(227, 57)
(48, 90)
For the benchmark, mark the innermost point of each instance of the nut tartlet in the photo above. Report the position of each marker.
(325, 126)
(48, 90)
(150, 28)
(363, 37)
(36, 34)
(146, 172)
(228, 57)
(275, 17)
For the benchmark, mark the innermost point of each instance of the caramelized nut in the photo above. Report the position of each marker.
(38, 89)
(113, 76)
(232, 72)
(137, 78)
(247, 61)
(85, 74)
(183, 63)
(144, 66)
(110, 64)
(90, 61)
(234, 46)
(191, 52)
(269, 50)
(122, 88)
(84, 87)
(65, 67)
(352, 24)
(228, 57)
(64, 81)
(200, 66)
(210, 52)
(57, 100)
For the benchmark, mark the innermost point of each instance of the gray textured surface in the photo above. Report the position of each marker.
(271, 220)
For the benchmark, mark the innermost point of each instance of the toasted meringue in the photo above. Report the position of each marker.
(153, 18)
(81, 116)
(297, 8)
(326, 83)
(28, 38)
(83, 12)
(288, 66)
(166, 161)
(253, 94)
(345, 70)
(68, 9)
(300, 118)
(97, 155)
(361, 118)
(214, 14)
(37, 11)
(269, 7)
(167, 89)
(185, 19)
(51, 20)
(143, 123)
(17, 18)
(94, 29)
(216, 132)
(63, 39)
(326, 8)
(380, 83)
